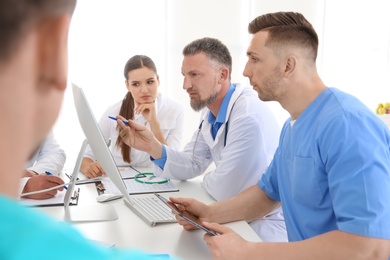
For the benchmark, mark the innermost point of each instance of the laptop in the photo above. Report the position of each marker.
(146, 206)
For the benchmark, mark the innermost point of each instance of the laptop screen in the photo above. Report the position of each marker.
(96, 140)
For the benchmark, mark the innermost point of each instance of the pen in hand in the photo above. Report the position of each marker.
(49, 173)
(114, 118)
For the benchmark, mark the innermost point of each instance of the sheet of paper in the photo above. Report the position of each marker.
(134, 187)
(57, 200)
(128, 172)
(82, 179)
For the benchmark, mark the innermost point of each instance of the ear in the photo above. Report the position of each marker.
(223, 74)
(291, 63)
(52, 33)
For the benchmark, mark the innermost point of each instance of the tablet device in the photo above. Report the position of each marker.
(177, 212)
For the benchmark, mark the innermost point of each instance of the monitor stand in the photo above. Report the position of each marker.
(91, 213)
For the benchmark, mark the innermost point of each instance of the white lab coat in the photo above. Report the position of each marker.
(49, 157)
(251, 141)
(170, 115)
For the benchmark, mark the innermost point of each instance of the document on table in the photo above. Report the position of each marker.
(129, 172)
(134, 187)
(82, 179)
(126, 172)
(57, 200)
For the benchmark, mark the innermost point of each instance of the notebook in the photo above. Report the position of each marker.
(57, 200)
(65, 197)
(146, 206)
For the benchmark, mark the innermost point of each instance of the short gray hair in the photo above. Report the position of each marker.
(214, 49)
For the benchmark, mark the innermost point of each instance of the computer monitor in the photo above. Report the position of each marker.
(96, 140)
(104, 157)
(91, 213)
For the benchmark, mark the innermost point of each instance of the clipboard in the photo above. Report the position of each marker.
(57, 200)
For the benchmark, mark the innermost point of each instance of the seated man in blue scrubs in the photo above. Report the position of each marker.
(331, 171)
(33, 78)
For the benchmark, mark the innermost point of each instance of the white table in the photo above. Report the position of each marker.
(130, 231)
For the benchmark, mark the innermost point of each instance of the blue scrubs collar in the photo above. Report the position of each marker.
(216, 122)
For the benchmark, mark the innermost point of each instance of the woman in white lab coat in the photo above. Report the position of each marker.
(145, 105)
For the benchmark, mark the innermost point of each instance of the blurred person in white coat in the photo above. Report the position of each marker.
(33, 79)
(43, 168)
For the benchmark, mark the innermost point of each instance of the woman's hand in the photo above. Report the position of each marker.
(147, 110)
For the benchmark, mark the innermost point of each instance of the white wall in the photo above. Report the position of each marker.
(356, 49)
(353, 56)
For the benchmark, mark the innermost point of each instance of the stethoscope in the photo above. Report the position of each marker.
(196, 140)
(150, 178)
(197, 136)
(140, 175)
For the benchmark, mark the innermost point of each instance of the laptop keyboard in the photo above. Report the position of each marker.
(157, 210)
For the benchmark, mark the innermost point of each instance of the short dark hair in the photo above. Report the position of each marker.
(17, 17)
(287, 28)
(213, 48)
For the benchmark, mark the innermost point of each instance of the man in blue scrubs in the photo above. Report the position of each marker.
(33, 78)
(331, 171)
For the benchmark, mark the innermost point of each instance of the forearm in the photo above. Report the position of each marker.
(22, 184)
(180, 165)
(331, 245)
(155, 150)
(248, 205)
(85, 164)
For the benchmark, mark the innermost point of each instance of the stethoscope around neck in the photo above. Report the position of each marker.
(199, 130)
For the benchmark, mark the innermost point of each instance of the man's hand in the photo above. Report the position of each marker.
(139, 137)
(227, 245)
(192, 209)
(41, 182)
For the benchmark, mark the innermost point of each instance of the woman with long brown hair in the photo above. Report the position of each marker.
(145, 105)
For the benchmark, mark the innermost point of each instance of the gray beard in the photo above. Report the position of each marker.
(198, 104)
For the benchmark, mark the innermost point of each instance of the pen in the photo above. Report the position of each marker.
(70, 176)
(49, 173)
(114, 118)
